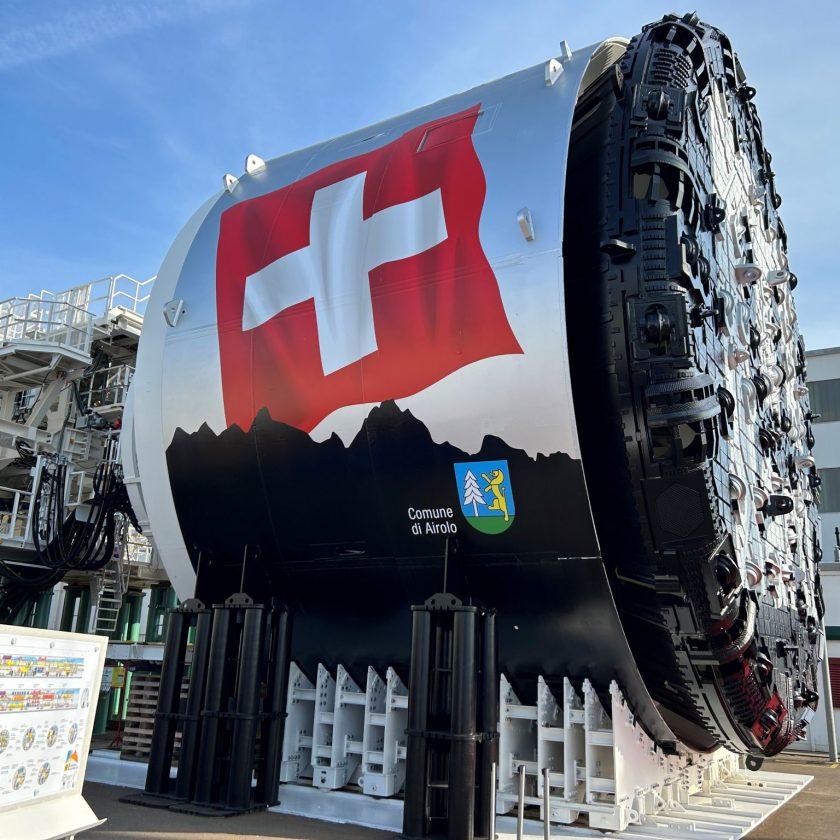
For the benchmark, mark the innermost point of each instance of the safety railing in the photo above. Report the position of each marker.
(15, 510)
(99, 297)
(78, 488)
(76, 444)
(106, 389)
(138, 549)
(53, 323)
(23, 402)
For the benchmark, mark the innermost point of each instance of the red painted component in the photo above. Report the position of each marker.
(773, 727)
(834, 672)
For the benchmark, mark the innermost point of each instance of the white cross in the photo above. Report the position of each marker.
(334, 268)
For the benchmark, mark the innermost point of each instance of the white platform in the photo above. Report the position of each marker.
(728, 812)
(731, 811)
(138, 652)
(55, 819)
(340, 806)
(107, 768)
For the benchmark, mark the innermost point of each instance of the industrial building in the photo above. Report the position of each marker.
(824, 388)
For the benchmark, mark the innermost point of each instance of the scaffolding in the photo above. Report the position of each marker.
(105, 390)
(15, 514)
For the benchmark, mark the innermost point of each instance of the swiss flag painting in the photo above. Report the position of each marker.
(362, 282)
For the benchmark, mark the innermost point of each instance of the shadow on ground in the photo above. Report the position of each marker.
(132, 822)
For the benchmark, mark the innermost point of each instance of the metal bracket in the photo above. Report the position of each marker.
(253, 164)
(174, 311)
(748, 273)
(554, 66)
(526, 224)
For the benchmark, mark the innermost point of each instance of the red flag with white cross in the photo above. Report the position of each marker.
(362, 282)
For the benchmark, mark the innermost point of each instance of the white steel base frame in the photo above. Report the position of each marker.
(605, 775)
(338, 733)
(603, 770)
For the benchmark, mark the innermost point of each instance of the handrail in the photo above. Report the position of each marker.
(14, 490)
(49, 321)
(10, 519)
(107, 388)
(138, 549)
(99, 297)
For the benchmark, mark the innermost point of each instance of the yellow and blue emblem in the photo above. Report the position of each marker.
(486, 495)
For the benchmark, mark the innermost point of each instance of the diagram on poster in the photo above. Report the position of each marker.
(46, 685)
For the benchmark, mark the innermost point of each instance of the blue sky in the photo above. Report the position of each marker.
(119, 118)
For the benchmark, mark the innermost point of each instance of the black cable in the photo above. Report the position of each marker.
(70, 543)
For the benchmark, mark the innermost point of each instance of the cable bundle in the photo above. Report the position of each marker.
(64, 542)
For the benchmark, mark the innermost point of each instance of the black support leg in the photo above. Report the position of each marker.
(246, 709)
(190, 735)
(452, 721)
(169, 697)
(415, 819)
(205, 789)
(268, 775)
(488, 723)
(461, 812)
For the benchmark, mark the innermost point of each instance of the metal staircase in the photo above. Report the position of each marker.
(112, 586)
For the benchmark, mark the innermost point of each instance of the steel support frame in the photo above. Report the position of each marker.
(452, 689)
(239, 647)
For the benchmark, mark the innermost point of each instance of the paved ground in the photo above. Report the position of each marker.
(131, 822)
(812, 815)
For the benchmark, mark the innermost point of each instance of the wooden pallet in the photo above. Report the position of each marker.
(140, 715)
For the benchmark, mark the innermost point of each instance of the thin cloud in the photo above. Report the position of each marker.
(84, 26)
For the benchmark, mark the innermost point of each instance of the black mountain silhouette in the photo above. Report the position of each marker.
(305, 502)
(327, 532)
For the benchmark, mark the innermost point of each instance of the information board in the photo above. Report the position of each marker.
(49, 687)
